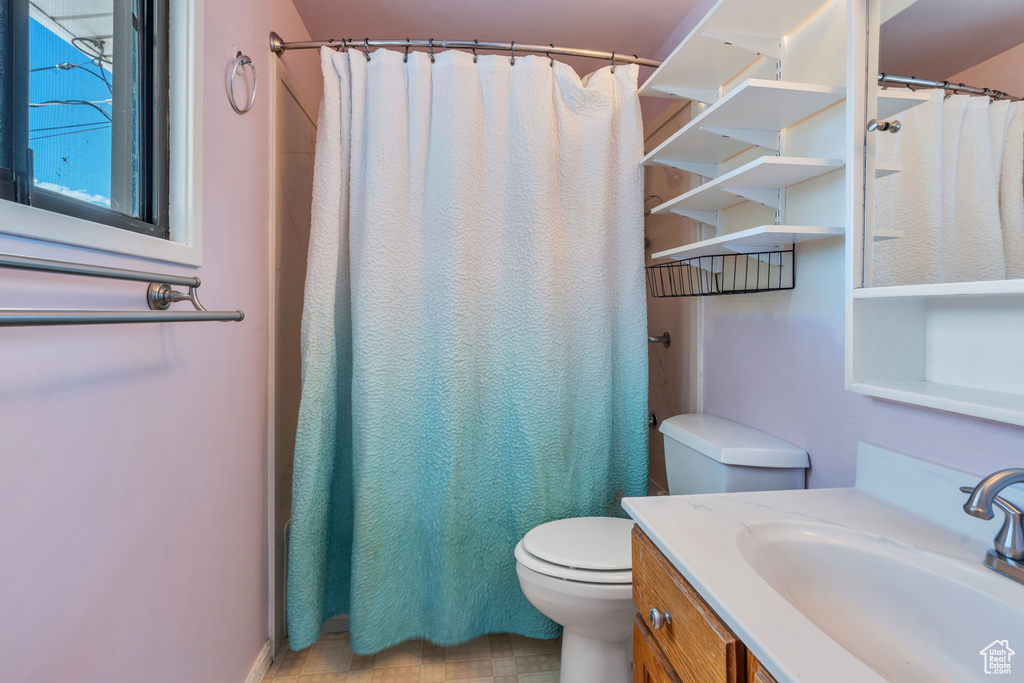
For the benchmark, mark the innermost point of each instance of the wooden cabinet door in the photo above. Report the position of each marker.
(700, 647)
(649, 664)
(756, 673)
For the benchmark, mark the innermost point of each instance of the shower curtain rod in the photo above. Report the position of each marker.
(945, 85)
(277, 46)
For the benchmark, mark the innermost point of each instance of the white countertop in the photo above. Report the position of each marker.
(898, 499)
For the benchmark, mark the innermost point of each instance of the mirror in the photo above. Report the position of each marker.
(945, 167)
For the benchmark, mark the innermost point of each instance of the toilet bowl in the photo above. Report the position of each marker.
(577, 573)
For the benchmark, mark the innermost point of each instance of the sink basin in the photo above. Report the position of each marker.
(907, 612)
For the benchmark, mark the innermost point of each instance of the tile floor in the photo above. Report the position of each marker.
(498, 658)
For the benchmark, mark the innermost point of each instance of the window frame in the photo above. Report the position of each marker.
(178, 117)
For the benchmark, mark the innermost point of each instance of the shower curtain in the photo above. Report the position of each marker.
(474, 337)
(959, 198)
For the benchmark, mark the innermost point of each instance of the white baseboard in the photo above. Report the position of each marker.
(260, 666)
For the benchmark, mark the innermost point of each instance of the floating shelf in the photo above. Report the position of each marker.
(760, 180)
(753, 113)
(896, 101)
(883, 169)
(990, 405)
(760, 239)
(729, 38)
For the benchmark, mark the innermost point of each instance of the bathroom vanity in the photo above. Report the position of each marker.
(883, 581)
(692, 643)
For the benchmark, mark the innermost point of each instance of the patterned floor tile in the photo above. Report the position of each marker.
(549, 677)
(531, 664)
(501, 645)
(474, 649)
(496, 658)
(467, 670)
(531, 646)
(330, 654)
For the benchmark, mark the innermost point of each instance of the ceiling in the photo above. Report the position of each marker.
(639, 27)
(937, 39)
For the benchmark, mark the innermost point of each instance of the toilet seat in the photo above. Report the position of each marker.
(585, 549)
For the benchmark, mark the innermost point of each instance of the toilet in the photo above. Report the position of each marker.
(578, 571)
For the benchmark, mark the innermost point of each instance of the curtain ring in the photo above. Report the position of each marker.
(366, 48)
(613, 62)
(512, 49)
(550, 57)
(406, 57)
(431, 44)
(474, 50)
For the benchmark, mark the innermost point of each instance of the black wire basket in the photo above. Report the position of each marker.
(712, 275)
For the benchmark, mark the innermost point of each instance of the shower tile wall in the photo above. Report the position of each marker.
(672, 371)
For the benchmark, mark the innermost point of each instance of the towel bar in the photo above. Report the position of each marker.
(159, 296)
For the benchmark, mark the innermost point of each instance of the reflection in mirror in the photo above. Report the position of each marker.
(948, 179)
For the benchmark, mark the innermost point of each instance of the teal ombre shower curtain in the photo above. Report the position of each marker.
(474, 337)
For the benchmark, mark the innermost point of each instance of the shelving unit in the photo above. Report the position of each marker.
(952, 347)
(739, 44)
(760, 180)
(729, 38)
(753, 113)
(893, 101)
(763, 238)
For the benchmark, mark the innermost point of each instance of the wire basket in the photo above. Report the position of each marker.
(763, 271)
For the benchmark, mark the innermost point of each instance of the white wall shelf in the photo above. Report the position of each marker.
(883, 169)
(753, 113)
(760, 180)
(729, 38)
(893, 101)
(760, 239)
(952, 347)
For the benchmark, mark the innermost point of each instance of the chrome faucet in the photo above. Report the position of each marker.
(1007, 557)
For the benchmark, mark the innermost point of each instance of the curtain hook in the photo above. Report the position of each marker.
(431, 44)
(366, 48)
(512, 49)
(474, 50)
(613, 62)
(406, 57)
(550, 57)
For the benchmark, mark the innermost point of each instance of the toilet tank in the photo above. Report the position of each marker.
(708, 454)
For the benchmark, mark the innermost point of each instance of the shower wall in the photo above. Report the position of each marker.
(673, 371)
(294, 125)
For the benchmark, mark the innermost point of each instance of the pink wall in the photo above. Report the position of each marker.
(133, 492)
(1003, 72)
(775, 361)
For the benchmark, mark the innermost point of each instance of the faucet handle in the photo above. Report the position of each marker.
(1009, 541)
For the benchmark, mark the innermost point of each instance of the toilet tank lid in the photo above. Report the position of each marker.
(731, 443)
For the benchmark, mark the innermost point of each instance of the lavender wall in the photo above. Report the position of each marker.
(775, 361)
(134, 457)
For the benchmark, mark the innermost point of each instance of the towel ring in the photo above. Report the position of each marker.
(242, 61)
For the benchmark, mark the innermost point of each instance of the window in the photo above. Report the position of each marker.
(84, 110)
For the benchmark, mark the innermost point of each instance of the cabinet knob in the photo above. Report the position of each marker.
(658, 618)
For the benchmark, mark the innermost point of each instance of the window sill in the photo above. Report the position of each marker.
(25, 221)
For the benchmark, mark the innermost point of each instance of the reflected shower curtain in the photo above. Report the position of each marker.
(958, 200)
(474, 351)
